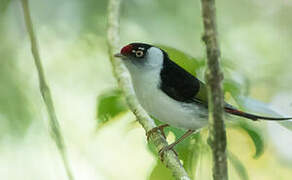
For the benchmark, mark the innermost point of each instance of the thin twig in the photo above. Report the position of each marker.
(45, 90)
(214, 77)
(124, 82)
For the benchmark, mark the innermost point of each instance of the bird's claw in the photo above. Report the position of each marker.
(160, 128)
(164, 149)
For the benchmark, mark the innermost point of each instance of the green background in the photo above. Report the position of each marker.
(255, 39)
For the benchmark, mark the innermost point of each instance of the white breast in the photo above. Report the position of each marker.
(158, 104)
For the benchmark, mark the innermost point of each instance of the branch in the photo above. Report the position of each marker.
(45, 90)
(214, 77)
(123, 78)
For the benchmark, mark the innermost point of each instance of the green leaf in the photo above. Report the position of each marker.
(238, 166)
(254, 134)
(110, 104)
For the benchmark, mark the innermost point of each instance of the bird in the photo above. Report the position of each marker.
(171, 94)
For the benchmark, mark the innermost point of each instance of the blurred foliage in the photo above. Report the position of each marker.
(110, 104)
(257, 138)
(15, 108)
(15, 113)
(238, 166)
(3, 7)
(256, 57)
(189, 152)
(160, 172)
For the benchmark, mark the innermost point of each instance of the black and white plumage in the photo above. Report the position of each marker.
(167, 91)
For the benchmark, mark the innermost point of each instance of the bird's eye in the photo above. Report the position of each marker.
(139, 54)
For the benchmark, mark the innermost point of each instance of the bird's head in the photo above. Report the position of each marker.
(141, 56)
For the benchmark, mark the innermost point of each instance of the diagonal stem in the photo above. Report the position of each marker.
(45, 90)
(170, 159)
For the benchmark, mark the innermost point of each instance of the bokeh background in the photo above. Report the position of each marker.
(256, 43)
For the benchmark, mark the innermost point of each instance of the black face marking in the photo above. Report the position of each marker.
(139, 50)
(177, 82)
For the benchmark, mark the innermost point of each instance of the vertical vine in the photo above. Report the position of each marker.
(214, 77)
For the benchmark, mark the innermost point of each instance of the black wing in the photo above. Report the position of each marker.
(177, 82)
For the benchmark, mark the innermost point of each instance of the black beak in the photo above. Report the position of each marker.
(119, 55)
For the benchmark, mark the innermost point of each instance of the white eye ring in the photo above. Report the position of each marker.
(139, 53)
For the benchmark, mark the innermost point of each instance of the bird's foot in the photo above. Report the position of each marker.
(158, 128)
(167, 148)
(171, 146)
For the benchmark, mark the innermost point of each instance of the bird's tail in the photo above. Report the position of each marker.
(252, 116)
